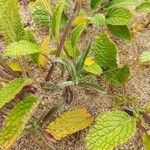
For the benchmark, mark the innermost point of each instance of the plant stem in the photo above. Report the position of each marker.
(74, 12)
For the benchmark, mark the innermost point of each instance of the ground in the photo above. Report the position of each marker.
(137, 86)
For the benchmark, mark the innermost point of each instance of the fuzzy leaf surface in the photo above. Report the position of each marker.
(111, 129)
(41, 17)
(21, 48)
(95, 3)
(14, 66)
(11, 26)
(16, 121)
(118, 3)
(146, 140)
(81, 19)
(76, 33)
(118, 76)
(120, 31)
(144, 7)
(74, 52)
(11, 89)
(69, 123)
(42, 5)
(105, 52)
(56, 18)
(118, 16)
(98, 19)
(91, 66)
(145, 57)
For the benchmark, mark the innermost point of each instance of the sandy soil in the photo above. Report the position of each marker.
(138, 86)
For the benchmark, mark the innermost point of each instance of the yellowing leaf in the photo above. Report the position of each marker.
(43, 49)
(145, 57)
(11, 89)
(69, 123)
(14, 66)
(89, 61)
(16, 121)
(80, 20)
(42, 5)
(76, 33)
(56, 18)
(146, 139)
(11, 26)
(94, 69)
(21, 48)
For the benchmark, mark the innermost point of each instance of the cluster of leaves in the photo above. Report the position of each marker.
(83, 66)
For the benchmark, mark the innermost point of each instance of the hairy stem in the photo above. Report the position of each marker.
(64, 36)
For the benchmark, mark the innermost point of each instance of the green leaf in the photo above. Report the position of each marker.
(73, 52)
(41, 17)
(145, 57)
(16, 121)
(69, 123)
(63, 84)
(111, 129)
(56, 18)
(67, 63)
(11, 26)
(31, 37)
(94, 69)
(8, 92)
(118, 3)
(122, 100)
(81, 60)
(118, 76)
(118, 16)
(105, 52)
(98, 19)
(92, 86)
(64, 20)
(144, 7)
(95, 3)
(21, 48)
(146, 139)
(120, 31)
(76, 33)
(44, 5)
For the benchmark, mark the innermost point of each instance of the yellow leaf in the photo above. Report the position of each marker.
(43, 49)
(146, 140)
(80, 20)
(89, 61)
(69, 123)
(14, 66)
